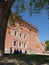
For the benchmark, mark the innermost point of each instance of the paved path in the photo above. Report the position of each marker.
(46, 54)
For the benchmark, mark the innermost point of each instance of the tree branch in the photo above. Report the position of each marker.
(10, 2)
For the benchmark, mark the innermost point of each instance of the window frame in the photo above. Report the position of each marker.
(20, 35)
(24, 44)
(25, 36)
(14, 43)
(15, 32)
(19, 45)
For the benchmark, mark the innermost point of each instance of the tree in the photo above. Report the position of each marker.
(34, 6)
(5, 7)
(47, 44)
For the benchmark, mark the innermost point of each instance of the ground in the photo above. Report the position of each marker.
(22, 59)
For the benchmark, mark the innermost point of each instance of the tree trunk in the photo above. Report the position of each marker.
(5, 7)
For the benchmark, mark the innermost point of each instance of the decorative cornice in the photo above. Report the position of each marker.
(23, 23)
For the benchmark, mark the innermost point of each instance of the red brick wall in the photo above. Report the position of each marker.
(33, 44)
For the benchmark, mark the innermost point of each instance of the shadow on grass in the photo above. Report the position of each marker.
(29, 59)
(1, 63)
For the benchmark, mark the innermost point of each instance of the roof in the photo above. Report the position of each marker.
(21, 20)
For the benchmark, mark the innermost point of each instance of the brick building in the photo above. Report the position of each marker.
(22, 36)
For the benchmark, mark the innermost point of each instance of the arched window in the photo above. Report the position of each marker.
(14, 43)
(20, 35)
(24, 45)
(20, 45)
(15, 32)
(25, 36)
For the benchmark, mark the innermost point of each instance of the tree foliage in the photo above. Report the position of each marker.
(13, 19)
(47, 44)
(33, 6)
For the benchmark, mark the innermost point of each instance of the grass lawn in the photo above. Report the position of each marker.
(38, 58)
(7, 64)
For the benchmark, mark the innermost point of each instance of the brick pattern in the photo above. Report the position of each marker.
(32, 41)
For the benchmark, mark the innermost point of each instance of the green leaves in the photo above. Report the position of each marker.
(11, 20)
(34, 6)
(14, 19)
(47, 44)
(23, 7)
(39, 5)
(30, 3)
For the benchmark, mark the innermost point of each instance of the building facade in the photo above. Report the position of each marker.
(22, 36)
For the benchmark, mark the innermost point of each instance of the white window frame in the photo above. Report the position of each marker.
(18, 45)
(21, 34)
(25, 36)
(25, 45)
(16, 32)
(13, 43)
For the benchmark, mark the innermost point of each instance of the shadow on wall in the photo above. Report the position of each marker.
(17, 51)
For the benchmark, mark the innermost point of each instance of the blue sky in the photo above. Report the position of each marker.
(41, 22)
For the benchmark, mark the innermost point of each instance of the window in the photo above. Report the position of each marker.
(24, 45)
(25, 37)
(14, 43)
(21, 35)
(15, 32)
(20, 44)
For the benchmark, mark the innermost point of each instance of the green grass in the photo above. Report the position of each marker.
(39, 58)
(7, 63)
